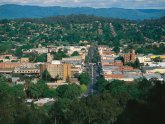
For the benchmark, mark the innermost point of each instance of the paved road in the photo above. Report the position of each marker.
(94, 71)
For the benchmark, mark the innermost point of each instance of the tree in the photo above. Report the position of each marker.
(101, 84)
(70, 91)
(137, 63)
(46, 76)
(59, 110)
(149, 109)
(75, 53)
(18, 91)
(59, 55)
(57, 78)
(18, 52)
(41, 58)
(37, 90)
(116, 49)
(84, 78)
(83, 88)
(99, 109)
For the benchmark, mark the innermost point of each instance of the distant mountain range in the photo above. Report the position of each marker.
(12, 11)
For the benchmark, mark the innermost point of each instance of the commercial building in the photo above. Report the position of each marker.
(129, 57)
(27, 68)
(8, 67)
(75, 60)
(57, 69)
(152, 70)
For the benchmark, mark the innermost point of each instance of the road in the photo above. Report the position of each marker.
(94, 72)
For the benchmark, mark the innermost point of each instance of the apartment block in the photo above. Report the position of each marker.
(61, 70)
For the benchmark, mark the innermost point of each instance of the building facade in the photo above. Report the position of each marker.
(61, 70)
(130, 57)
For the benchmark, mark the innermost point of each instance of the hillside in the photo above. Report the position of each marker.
(66, 30)
(10, 11)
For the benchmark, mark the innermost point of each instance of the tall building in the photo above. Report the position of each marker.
(61, 70)
(130, 57)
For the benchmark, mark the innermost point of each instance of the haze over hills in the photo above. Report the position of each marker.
(12, 11)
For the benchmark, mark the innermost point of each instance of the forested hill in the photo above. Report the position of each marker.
(10, 11)
(66, 30)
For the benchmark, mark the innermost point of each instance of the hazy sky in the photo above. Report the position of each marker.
(92, 3)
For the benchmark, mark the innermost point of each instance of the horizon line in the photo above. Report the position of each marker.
(38, 5)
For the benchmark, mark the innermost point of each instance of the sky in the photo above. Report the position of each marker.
(129, 4)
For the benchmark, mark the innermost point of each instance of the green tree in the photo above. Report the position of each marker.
(46, 76)
(37, 90)
(83, 88)
(18, 52)
(101, 84)
(99, 109)
(137, 63)
(41, 58)
(18, 91)
(84, 78)
(70, 91)
(75, 53)
(116, 49)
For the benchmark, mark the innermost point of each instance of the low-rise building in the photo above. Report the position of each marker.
(75, 60)
(24, 60)
(42, 102)
(153, 76)
(152, 70)
(27, 68)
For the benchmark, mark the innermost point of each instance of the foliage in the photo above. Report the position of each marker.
(24, 34)
(83, 88)
(148, 110)
(59, 55)
(99, 109)
(70, 91)
(116, 49)
(75, 53)
(37, 90)
(117, 102)
(136, 64)
(41, 58)
(46, 76)
(84, 78)
(101, 84)
(18, 91)
(13, 109)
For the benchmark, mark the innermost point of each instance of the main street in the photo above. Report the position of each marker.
(93, 70)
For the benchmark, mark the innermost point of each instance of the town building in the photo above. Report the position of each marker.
(27, 68)
(57, 69)
(129, 57)
(24, 60)
(8, 67)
